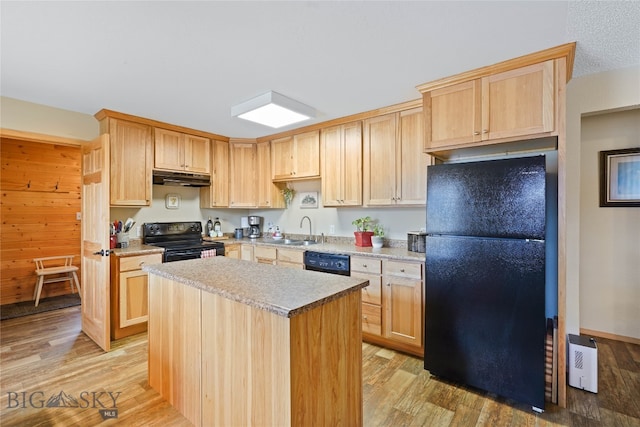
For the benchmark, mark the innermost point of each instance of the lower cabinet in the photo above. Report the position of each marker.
(290, 258)
(232, 250)
(129, 290)
(279, 256)
(392, 304)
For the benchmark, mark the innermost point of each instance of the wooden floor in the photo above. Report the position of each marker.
(46, 355)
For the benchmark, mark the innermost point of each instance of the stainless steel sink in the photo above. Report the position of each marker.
(291, 242)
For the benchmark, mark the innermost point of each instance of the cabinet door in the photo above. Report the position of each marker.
(197, 154)
(131, 163)
(519, 102)
(232, 251)
(282, 159)
(242, 187)
(268, 193)
(134, 307)
(411, 182)
(454, 115)
(332, 167)
(402, 301)
(306, 155)
(217, 194)
(352, 164)
(169, 150)
(379, 181)
(246, 252)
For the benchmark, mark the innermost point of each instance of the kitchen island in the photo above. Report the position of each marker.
(239, 343)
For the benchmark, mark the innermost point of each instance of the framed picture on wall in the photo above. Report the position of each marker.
(620, 177)
(309, 200)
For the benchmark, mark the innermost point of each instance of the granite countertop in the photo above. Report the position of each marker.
(137, 249)
(280, 290)
(400, 253)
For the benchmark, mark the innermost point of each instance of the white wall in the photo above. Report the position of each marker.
(29, 117)
(591, 94)
(609, 237)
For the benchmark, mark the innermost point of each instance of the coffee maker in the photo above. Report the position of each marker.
(255, 227)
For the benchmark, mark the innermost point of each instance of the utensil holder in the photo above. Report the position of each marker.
(123, 240)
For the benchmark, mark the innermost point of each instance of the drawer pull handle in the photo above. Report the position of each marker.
(364, 265)
(402, 270)
(141, 263)
(364, 317)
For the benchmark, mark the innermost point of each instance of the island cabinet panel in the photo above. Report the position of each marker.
(174, 345)
(245, 352)
(223, 362)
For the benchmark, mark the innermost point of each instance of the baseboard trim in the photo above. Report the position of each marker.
(609, 336)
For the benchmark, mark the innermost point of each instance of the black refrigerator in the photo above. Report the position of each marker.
(485, 276)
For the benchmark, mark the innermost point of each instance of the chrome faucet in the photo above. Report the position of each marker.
(302, 220)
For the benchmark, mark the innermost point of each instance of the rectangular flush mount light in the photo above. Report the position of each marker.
(273, 110)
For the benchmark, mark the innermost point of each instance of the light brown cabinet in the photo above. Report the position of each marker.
(511, 104)
(395, 165)
(293, 258)
(243, 186)
(217, 194)
(181, 152)
(296, 157)
(265, 255)
(131, 151)
(370, 269)
(268, 193)
(403, 302)
(246, 252)
(392, 304)
(341, 158)
(232, 250)
(129, 287)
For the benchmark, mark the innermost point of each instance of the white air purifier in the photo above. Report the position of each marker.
(583, 363)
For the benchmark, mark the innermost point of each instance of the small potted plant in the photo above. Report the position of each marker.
(377, 240)
(362, 233)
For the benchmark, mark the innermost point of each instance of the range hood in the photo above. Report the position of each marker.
(183, 179)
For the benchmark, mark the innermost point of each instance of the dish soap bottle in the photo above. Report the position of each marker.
(210, 227)
(217, 227)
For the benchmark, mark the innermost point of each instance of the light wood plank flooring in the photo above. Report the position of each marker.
(46, 354)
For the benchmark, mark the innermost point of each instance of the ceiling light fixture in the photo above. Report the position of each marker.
(273, 110)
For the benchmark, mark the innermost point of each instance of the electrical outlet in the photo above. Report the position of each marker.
(78, 216)
(139, 231)
(332, 229)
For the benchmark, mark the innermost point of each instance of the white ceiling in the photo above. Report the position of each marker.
(187, 63)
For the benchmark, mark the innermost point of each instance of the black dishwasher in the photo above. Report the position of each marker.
(327, 262)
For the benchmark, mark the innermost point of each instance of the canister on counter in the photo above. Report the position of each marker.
(416, 241)
(239, 233)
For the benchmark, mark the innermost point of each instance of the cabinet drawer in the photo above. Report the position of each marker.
(136, 262)
(366, 265)
(264, 252)
(403, 269)
(372, 293)
(291, 255)
(372, 318)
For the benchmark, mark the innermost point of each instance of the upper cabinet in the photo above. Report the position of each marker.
(181, 152)
(217, 194)
(505, 105)
(131, 161)
(395, 166)
(341, 155)
(510, 106)
(296, 157)
(243, 188)
(268, 193)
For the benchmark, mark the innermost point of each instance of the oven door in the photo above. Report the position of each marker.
(180, 255)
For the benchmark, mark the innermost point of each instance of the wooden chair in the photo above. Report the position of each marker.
(53, 266)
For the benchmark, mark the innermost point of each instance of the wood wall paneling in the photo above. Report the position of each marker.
(40, 187)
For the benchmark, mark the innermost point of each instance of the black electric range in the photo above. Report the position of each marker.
(180, 240)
